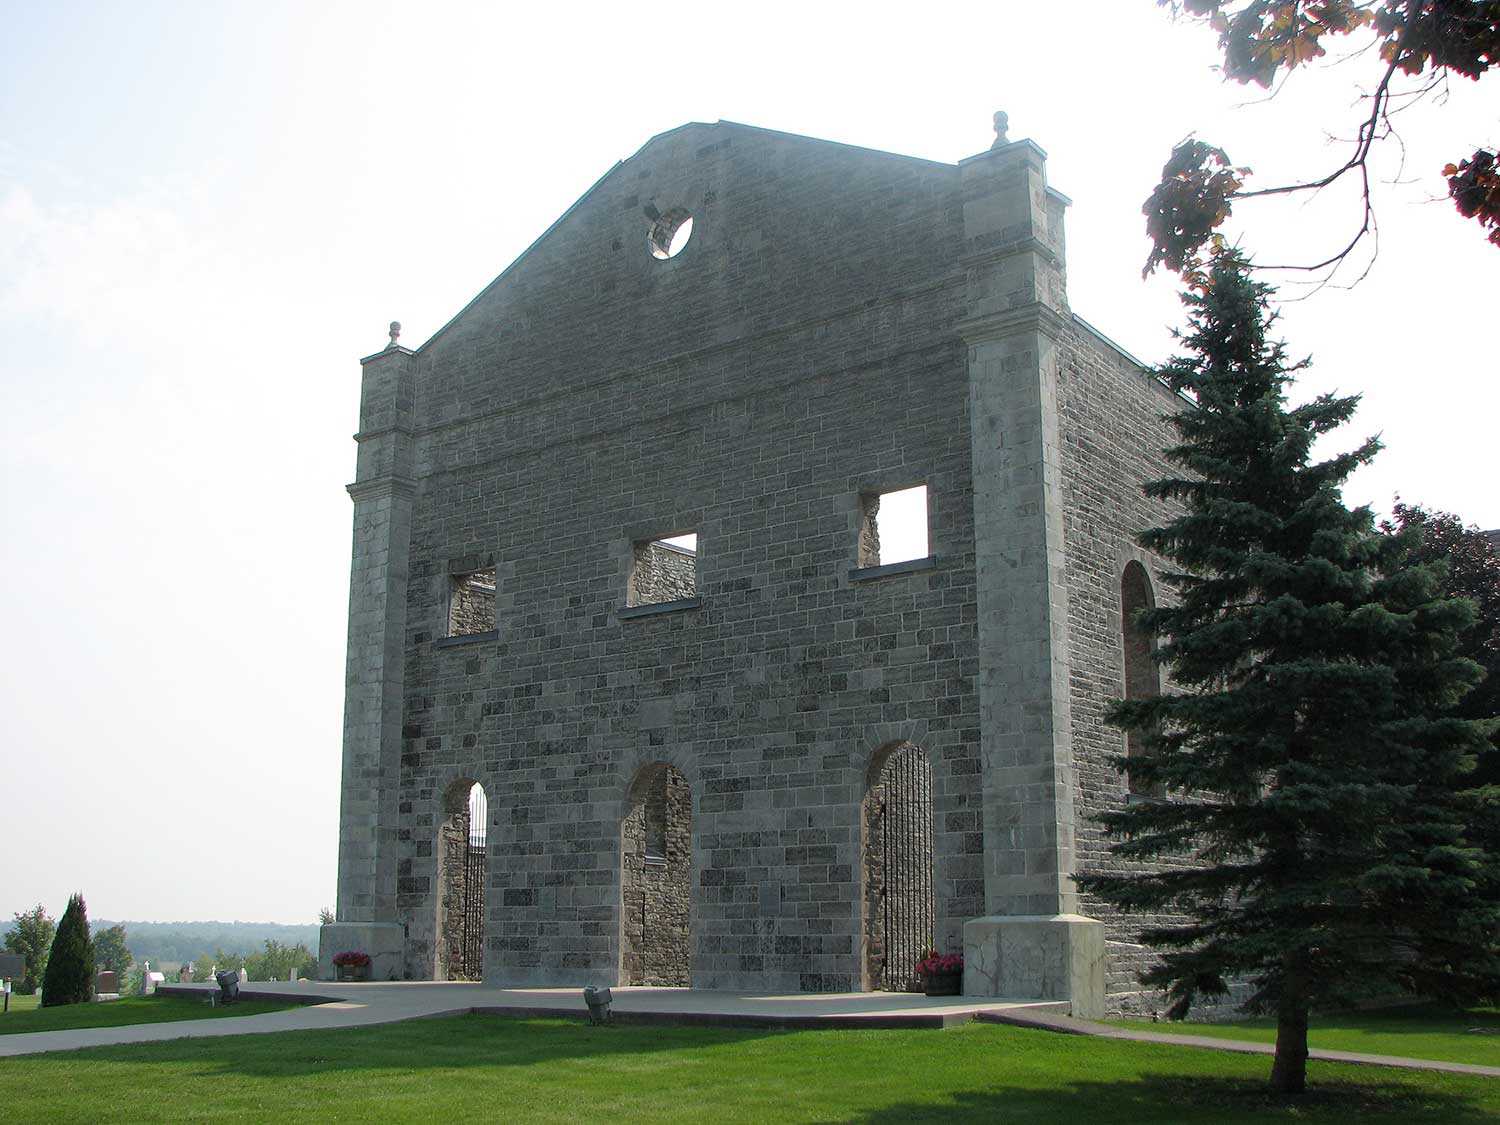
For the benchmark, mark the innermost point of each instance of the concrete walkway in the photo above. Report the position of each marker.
(325, 1005)
(1056, 1021)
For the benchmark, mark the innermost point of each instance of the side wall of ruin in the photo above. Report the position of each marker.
(1112, 436)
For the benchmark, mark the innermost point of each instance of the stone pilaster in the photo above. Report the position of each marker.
(383, 494)
(1017, 298)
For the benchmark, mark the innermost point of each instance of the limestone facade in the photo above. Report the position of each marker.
(841, 323)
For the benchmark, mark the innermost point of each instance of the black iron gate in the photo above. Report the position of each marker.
(470, 950)
(906, 900)
(471, 925)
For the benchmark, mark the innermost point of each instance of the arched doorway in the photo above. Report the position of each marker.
(656, 878)
(899, 909)
(463, 874)
(1142, 673)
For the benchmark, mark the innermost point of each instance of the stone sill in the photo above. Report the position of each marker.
(625, 612)
(866, 573)
(467, 639)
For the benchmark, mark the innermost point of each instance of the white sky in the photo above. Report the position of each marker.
(209, 211)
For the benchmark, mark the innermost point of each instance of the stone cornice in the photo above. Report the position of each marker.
(394, 349)
(367, 435)
(382, 488)
(1025, 146)
(1034, 317)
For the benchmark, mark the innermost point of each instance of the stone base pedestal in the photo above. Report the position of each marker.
(1037, 957)
(385, 942)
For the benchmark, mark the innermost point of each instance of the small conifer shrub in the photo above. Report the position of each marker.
(70, 966)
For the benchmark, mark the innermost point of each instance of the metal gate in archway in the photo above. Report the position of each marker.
(901, 830)
(466, 953)
(471, 938)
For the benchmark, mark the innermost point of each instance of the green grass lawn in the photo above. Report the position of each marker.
(1419, 1031)
(486, 1067)
(112, 1013)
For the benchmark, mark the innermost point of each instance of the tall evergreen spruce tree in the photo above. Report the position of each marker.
(70, 966)
(1315, 776)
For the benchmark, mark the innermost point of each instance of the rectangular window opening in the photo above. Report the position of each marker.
(894, 527)
(664, 570)
(471, 603)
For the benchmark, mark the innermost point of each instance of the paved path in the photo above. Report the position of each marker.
(1053, 1021)
(327, 1005)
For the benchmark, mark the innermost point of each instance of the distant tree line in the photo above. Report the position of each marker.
(265, 950)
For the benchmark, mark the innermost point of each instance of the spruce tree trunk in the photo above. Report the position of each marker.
(1289, 1071)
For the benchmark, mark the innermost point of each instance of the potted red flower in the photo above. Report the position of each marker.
(352, 965)
(942, 973)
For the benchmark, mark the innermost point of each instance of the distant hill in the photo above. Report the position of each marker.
(189, 941)
(176, 942)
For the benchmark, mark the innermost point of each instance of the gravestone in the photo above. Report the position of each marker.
(150, 978)
(106, 985)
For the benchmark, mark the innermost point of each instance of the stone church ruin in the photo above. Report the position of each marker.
(619, 569)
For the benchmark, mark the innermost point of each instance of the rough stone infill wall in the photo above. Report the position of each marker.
(453, 843)
(1112, 437)
(656, 926)
(662, 573)
(869, 532)
(897, 894)
(471, 606)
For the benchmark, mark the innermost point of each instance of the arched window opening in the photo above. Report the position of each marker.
(656, 875)
(463, 863)
(1142, 674)
(899, 908)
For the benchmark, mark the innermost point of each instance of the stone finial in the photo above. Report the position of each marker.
(395, 333)
(1002, 125)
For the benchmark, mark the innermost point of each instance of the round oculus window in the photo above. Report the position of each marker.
(670, 233)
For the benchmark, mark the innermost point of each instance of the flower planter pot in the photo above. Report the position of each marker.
(352, 972)
(943, 984)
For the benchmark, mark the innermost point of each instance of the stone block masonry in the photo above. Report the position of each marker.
(841, 323)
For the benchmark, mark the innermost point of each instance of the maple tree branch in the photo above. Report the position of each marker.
(1377, 126)
(1365, 141)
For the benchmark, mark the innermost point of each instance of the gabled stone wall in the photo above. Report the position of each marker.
(841, 323)
(789, 402)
